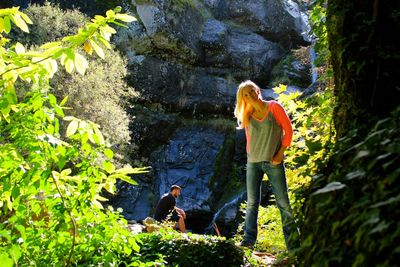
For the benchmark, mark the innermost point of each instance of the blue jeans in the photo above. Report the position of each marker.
(277, 177)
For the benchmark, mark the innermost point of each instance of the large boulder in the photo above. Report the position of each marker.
(173, 27)
(280, 21)
(178, 88)
(214, 41)
(294, 69)
(150, 128)
(252, 56)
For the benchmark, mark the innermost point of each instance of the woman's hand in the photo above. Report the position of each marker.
(278, 157)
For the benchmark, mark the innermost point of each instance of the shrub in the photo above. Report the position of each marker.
(99, 96)
(189, 250)
(50, 23)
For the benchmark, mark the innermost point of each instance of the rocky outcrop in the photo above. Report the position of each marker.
(190, 55)
(186, 59)
(284, 22)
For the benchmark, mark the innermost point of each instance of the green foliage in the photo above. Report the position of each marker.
(319, 29)
(104, 99)
(270, 236)
(189, 250)
(313, 131)
(50, 204)
(313, 135)
(358, 199)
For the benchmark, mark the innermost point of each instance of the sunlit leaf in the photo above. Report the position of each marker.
(108, 166)
(129, 170)
(88, 48)
(108, 29)
(110, 187)
(109, 153)
(66, 172)
(72, 128)
(15, 252)
(26, 18)
(69, 118)
(135, 247)
(50, 65)
(279, 89)
(97, 204)
(110, 13)
(1, 25)
(99, 51)
(125, 17)
(98, 136)
(19, 22)
(19, 48)
(69, 65)
(50, 45)
(7, 24)
(81, 63)
(104, 41)
(5, 260)
(331, 187)
(123, 178)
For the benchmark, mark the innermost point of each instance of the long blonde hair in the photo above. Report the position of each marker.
(243, 109)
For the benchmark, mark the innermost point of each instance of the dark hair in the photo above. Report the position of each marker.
(175, 187)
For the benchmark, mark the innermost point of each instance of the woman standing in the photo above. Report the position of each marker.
(268, 134)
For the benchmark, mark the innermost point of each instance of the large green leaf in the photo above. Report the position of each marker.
(331, 187)
(72, 128)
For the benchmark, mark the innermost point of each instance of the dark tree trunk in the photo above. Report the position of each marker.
(350, 218)
(364, 42)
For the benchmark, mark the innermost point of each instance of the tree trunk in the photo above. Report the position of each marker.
(363, 38)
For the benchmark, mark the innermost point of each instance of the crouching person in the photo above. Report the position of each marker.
(166, 209)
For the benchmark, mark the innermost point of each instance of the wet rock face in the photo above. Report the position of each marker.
(134, 201)
(188, 160)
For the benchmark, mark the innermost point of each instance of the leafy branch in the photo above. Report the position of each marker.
(33, 204)
(94, 36)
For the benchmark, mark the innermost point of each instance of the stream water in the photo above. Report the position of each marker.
(235, 201)
(313, 56)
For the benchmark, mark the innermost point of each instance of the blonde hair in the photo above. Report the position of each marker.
(243, 109)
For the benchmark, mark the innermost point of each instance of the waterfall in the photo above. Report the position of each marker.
(314, 74)
(234, 201)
